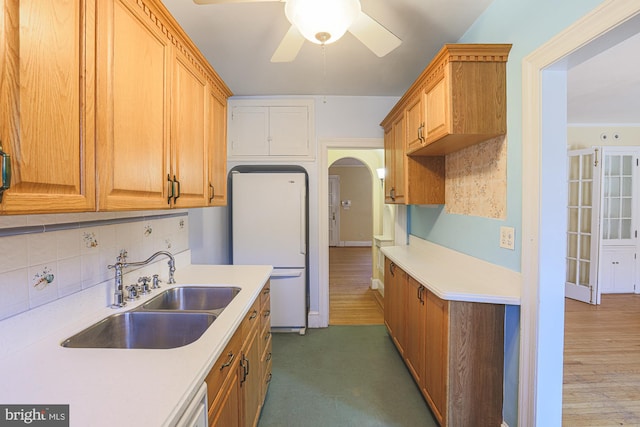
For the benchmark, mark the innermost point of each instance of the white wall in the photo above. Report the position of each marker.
(586, 136)
(339, 117)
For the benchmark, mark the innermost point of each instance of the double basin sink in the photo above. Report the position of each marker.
(174, 318)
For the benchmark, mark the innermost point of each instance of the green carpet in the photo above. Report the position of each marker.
(341, 376)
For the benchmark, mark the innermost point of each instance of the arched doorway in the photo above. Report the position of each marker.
(351, 217)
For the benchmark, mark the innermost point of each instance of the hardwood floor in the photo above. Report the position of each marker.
(351, 300)
(602, 362)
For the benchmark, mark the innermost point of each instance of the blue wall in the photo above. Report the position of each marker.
(527, 24)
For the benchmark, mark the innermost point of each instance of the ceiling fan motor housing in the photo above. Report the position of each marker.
(322, 21)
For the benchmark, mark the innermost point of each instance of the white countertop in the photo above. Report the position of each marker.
(455, 276)
(121, 387)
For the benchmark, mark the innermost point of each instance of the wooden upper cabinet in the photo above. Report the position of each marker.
(415, 123)
(134, 76)
(47, 81)
(464, 98)
(409, 180)
(397, 193)
(217, 128)
(189, 159)
(154, 135)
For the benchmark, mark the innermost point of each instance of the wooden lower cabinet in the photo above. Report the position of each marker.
(395, 301)
(414, 351)
(226, 412)
(436, 333)
(251, 381)
(453, 349)
(235, 385)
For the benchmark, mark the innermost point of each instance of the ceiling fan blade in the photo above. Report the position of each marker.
(289, 46)
(228, 1)
(373, 35)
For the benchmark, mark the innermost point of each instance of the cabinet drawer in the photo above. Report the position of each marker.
(267, 376)
(251, 319)
(265, 294)
(265, 316)
(222, 367)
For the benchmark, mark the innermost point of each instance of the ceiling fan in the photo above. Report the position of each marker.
(324, 22)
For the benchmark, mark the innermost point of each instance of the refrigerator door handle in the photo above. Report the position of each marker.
(303, 220)
(286, 274)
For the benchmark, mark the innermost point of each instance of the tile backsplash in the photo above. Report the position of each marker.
(46, 257)
(476, 180)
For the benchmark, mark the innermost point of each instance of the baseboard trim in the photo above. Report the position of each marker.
(378, 284)
(314, 320)
(361, 243)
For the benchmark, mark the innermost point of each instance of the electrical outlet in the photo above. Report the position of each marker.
(507, 237)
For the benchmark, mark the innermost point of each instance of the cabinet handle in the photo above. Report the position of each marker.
(176, 196)
(244, 370)
(229, 361)
(266, 291)
(392, 193)
(253, 315)
(267, 313)
(5, 165)
(212, 192)
(267, 335)
(169, 189)
(392, 269)
(268, 380)
(268, 357)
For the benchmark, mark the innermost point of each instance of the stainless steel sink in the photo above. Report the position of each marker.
(193, 298)
(140, 329)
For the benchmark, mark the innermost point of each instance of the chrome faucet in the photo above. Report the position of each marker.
(118, 295)
(118, 298)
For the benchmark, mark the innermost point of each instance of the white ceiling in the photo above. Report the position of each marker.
(238, 39)
(606, 88)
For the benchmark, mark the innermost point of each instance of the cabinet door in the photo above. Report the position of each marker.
(47, 76)
(398, 191)
(436, 354)
(289, 131)
(436, 108)
(227, 412)
(415, 124)
(134, 68)
(394, 307)
(188, 140)
(217, 128)
(249, 131)
(389, 182)
(618, 270)
(414, 348)
(251, 381)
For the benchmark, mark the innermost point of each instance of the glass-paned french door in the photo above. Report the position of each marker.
(582, 225)
(617, 198)
(601, 227)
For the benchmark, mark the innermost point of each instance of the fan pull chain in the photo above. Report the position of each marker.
(324, 73)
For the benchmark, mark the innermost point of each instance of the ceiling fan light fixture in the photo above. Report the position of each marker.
(322, 21)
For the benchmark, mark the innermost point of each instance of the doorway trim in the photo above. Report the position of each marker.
(541, 345)
(321, 318)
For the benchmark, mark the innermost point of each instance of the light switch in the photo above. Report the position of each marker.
(507, 237)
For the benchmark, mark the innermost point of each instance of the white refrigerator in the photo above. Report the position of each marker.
(269, 226)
